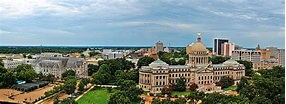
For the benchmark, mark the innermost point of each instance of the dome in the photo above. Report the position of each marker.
(198, 46)
(230, 62)
(159, 64)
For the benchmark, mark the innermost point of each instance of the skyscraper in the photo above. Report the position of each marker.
(217, 45)
(159, 46)
(227, 48)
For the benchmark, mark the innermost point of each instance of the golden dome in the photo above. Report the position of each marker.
(198, 46)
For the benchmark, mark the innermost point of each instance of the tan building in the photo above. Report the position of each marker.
(159, 46)
(253, 56)
(159, 74)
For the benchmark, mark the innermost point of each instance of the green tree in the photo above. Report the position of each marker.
(156, 101)
(195, 96)
(226, 82)
(68, 73)
(242, 83)
(181, 85)
(1, 63)
(180, 101)
(92, 69)
(126, 84)
(248, 67)
(261, 100)
(218, 59)
(70, 85)
(25, 72)
(102, 76)
(119, 98)
(29, 57)
(92, 53)
(81, 86)
(144, 61)
(7, 79)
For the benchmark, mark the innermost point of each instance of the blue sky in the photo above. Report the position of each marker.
(141, 22)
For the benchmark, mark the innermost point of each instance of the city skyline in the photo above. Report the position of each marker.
(142, 23)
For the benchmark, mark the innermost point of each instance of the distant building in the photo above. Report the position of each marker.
(274, 51)
(114, 55)
(281, 57)
(13, 63)
(159, 74)
(51, 55)
(248, 55)
(159, 46)
(47, 64)
(217, 45)
(107, 51)
(227, 48)
(237, 47)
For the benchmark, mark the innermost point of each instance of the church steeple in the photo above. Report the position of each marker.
(199, 37)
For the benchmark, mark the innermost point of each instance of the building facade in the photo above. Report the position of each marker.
(253, 56)
(217, 45)
(198, 70)
(227, 48)
(281, 57)
(58, 65)
(159, 46)
(13, 63)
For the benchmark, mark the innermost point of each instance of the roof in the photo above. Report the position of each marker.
(230, 62)
(198, 46)
(159, 62)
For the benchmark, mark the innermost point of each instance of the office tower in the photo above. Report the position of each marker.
(217, 45)
(227, 48)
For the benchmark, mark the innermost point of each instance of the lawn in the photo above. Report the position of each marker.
(230, 88)
(98, 96)
(180, 93)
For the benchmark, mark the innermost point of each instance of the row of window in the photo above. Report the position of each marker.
(205, 82)
(180, 75)
(180, 70)
(224, 72)
(205, 77)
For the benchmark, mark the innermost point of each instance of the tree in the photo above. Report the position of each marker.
(261, 100)
(166, 90)
(68, 73)
(102, 76)
(126, 84)
(119, 98)
(193, 87)
(70, 85)
(133, 92)
(144, 61)
(1, 63)
(248, 67)
(156, 101)
(25, 72)
(242, 83)
(196, 96)
(181, 85)
(226, 82)
(180, 101)
(92, 69)
(92, 53)
(40, 75)
(81, 86)
(218, 59)
(7, 79)
(24, 55)
(29, 57)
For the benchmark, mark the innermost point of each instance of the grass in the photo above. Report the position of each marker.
(98, 96)
(230, 88)
(180, 93)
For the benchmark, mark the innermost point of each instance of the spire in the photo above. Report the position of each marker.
(258, 47)
(199, 37)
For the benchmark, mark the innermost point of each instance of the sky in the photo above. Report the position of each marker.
(141, 22)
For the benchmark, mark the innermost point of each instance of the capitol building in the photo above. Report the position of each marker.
(197, 70)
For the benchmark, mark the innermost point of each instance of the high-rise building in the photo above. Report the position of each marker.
(217, 45)
(159, 46)
(227, 48)
(248, 55)
(281, 57)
